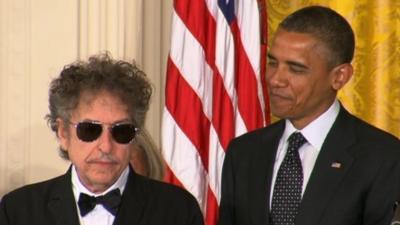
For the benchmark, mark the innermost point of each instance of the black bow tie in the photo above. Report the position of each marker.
(110, 201)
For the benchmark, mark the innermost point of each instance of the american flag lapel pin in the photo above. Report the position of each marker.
(336, 165)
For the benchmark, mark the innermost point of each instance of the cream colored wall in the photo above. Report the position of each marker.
(38, 37)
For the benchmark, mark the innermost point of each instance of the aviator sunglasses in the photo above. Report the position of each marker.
(88, 131)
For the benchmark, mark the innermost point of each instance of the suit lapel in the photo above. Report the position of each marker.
(326, 176)
(133, 201)
(261, 173)
(61, 203)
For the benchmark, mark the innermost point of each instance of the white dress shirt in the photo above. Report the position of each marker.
(315, 134)
(99, 215)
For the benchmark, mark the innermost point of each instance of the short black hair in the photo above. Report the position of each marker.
(327, 26)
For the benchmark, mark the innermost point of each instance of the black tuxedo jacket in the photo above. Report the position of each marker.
(144, 202)
(355, 180)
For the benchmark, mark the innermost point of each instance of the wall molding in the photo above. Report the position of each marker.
(15, 85)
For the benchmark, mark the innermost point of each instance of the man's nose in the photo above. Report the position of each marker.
(276, 77)
(106, 141)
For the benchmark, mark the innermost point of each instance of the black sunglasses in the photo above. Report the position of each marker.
(88, 131)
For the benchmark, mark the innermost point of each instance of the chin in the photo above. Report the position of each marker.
(104, 180)
(104, 175)
(278, 112)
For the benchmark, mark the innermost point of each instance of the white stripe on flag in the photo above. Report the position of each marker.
(185, 50)
(186, 164)
(209, 77)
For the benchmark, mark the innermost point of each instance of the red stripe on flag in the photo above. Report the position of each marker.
(199, 21)
(246, 85)
(222, 118)
(263, 59)
(202, 25)
(171, 178)
(185, 103)
(190, 117)
(212, 208)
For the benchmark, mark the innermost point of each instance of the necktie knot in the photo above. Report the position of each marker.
(296, 140)
(109, 201)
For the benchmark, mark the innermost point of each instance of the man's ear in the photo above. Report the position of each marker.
(341, 75)
(62, 133)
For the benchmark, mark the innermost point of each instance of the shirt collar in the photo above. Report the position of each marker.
(78, 187)
(316, 131)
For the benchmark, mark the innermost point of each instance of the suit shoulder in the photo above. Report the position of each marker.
(159, 195)
(376, 139)
(25, 199)
(273, 127)
(244, 142)
(163, 203)
(166, 190)
(375, 134)
(34, 189)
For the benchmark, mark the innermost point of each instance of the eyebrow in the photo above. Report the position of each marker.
(293, 63)
(269, 56)
(290, 63)
(127, 120)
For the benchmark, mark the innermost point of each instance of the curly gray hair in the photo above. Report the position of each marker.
(101, 72)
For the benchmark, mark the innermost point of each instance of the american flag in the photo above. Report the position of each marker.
(215, 90)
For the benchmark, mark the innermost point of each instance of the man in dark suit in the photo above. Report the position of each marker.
(320, 164)
(96, 108)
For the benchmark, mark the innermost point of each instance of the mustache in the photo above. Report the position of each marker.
(103, 158)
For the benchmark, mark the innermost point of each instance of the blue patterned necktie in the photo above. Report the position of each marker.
(288, 184)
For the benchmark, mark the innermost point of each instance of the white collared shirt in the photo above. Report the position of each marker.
(99, 215)
(315, 133)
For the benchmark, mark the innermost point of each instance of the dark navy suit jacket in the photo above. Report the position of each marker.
(355, 180)
(144, 202)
